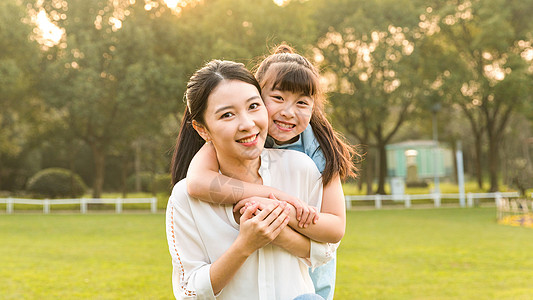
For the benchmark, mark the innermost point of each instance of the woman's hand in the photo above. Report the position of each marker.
(259, 230)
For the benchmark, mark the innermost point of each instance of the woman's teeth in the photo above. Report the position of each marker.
(248, 140)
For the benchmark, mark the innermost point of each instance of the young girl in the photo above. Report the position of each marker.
(292, 96)
(212, 255)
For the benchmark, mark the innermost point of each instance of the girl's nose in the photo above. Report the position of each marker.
(288, 111)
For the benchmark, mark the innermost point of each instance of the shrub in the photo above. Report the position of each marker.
(56, 182)
(162, 183)
(148, 180)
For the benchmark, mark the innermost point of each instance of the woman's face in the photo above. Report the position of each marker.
(288, 113)
(236, 120)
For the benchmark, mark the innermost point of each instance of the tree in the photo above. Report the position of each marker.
(20, 111)
(374, 71)
(490, 46)
(106, 77)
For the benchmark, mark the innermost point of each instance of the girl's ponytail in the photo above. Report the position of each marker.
(338, 153)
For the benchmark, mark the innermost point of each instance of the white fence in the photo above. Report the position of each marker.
(82, 202)
(436, 198)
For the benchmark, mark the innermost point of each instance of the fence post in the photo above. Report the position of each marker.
(46, 206)
(377, 199)
(436, 199)
(470, 199)
(9, 205)
(407, 200)
(118, 205)
(83, 205)
(348, 202)
(153, 205)
(498, 198)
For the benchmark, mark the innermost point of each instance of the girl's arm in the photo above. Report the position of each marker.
(330, 226)
(204, 182)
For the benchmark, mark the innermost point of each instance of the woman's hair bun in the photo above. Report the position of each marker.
(283, 48)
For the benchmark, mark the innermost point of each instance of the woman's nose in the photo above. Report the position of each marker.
(246, 122)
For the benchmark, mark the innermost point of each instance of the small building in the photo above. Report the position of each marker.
(414, 161)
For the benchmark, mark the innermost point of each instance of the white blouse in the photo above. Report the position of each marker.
(199, 233)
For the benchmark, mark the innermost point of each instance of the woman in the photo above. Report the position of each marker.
(218, 252)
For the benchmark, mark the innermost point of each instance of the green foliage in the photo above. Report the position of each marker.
(56, 182)
(149, 182)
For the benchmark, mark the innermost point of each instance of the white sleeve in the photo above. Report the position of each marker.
(190, 262)
(321, 253)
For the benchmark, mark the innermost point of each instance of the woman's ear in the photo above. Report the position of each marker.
(202, 131)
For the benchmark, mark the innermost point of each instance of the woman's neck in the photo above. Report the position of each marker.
(247, 170)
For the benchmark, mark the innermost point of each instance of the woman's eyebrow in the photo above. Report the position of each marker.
(223, 108)
(231, 106)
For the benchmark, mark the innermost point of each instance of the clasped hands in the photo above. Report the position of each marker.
(305, 214)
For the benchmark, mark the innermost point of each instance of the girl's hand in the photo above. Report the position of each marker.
(302, 209)
(261, 229)
(309, 213)
(262, 203)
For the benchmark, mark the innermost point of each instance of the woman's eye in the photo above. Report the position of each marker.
(226, 115)
(254, 105)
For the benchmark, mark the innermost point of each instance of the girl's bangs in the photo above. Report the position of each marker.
(295, 79)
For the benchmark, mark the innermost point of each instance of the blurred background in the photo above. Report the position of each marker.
(94, 89)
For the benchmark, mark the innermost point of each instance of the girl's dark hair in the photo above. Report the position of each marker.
(200, 86)
(288, 71)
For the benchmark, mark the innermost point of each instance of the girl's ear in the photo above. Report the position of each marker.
(202, 131)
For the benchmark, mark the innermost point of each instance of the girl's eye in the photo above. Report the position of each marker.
(303, 103)
(226, 115)
(254, 105)
(279, 98)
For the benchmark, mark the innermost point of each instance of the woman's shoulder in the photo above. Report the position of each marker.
(179, 193)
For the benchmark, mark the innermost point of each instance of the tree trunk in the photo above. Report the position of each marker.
(138, 166)
(454, 151)
(479, 171)
(99, 167)
(493, 162)
(123, 177)
(360, 178)
(382, 172)
(369, 172)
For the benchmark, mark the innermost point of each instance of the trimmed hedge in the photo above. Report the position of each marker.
(56, 183)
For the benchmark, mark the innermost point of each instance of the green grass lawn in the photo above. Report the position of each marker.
(387, 254)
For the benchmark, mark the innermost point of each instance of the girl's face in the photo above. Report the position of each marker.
(289, 114)
(236, 121)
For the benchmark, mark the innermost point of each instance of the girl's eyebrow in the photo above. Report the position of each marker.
(231, 106)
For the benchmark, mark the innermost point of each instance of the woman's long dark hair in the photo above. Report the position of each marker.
(288, 71)
(200, 86)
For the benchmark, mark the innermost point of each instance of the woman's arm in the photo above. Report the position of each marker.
(204, 182)
(193, 273)
(254, 233)
(294, 242)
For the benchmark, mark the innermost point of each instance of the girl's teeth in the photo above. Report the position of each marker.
(288, 126)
